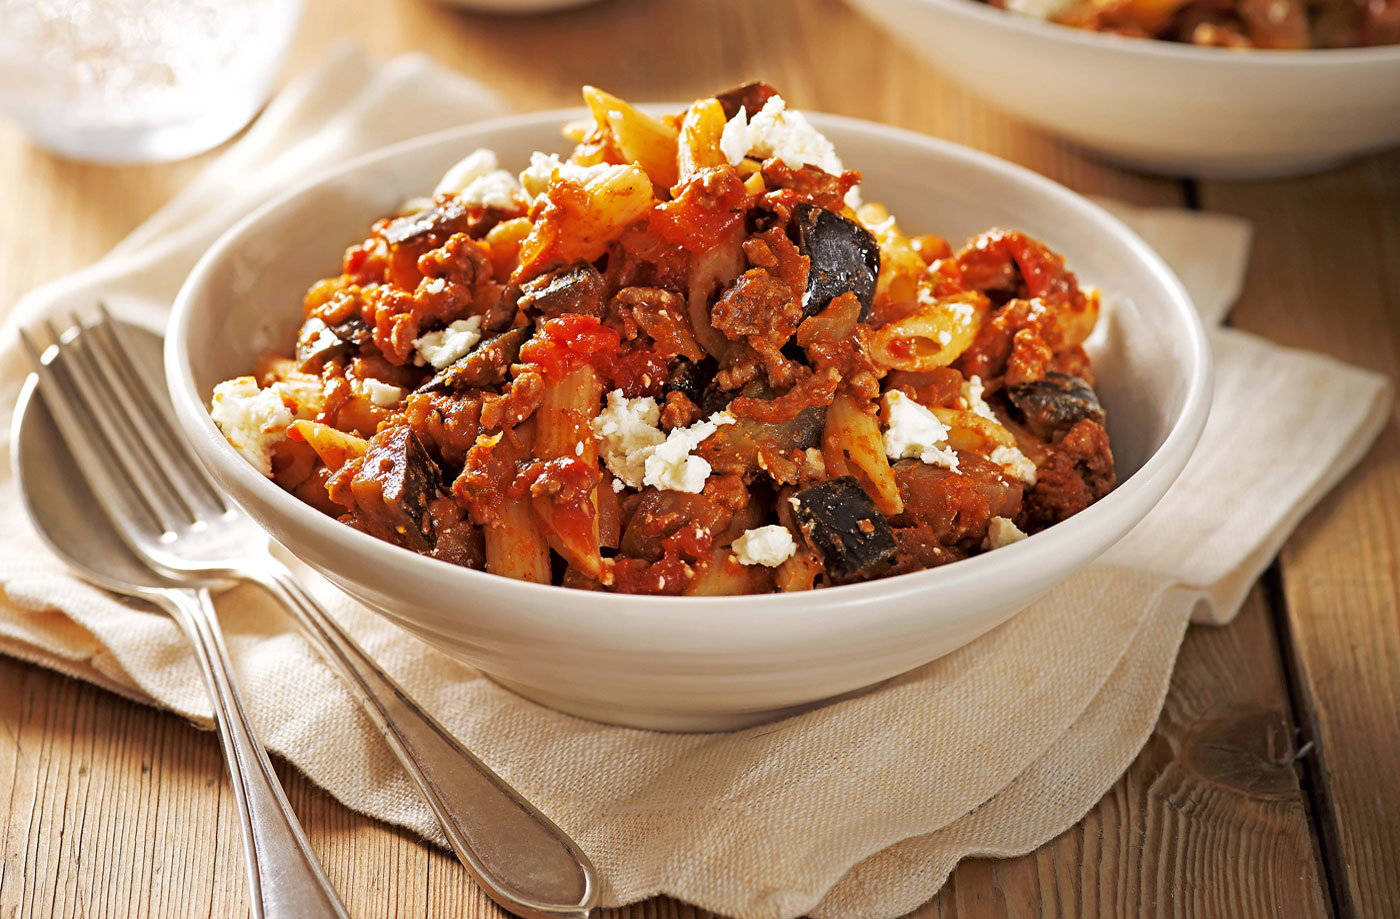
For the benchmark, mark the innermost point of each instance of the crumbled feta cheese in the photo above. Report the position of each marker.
(627, 430)
(972, 390)
(670, 466)
(380, 393)
(444, 346)
(478, 179)
(914, 431)
(544, 168)
(777, 131)
(252, 420)
(769, 546)
(1015, 463)
(1041, 9)
(1002, 532)
(638, 453)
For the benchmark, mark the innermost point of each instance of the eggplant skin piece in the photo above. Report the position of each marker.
(485, 365)
(318, 342)
(1055, 403)
(428, 220)
(408, 480)
(688, 378)
(750, 97)
(579, 288)
(844, 258)
(844, 527)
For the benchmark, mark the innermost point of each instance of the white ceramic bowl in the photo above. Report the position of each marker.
(1162, 106)
(701, 663)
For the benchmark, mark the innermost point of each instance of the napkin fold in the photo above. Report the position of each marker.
(859, 808)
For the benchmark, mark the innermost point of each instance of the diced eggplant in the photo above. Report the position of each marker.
(485, 365)
(408, 481)
(316, 344)
(437, 217)
(1055, 404)
(738, 447)
(577, 288)
(353, 330)
(690, 379)
(844, 258)
(844, 527)
(750, 97)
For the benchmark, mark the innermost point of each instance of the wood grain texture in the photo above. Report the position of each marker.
(1326, 276)
(115, 809)
(1208, 821)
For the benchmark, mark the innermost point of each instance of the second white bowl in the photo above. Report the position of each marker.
(1162, 106)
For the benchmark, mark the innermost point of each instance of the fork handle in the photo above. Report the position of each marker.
(285, 879)
(517, 854)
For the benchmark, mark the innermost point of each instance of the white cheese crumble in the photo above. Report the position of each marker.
(252, 420)
(627, 431)
(914, 431)
(769, 546)
(777, 131)
(1016, 463)
(478, 179)
(972, 389)
(444, 346)
(380, 393)
(671, 467)
(544, 168)
(638, 453)
(1002, 532)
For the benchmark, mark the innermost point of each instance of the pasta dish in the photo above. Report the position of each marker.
(1276, 24)
(685, 359)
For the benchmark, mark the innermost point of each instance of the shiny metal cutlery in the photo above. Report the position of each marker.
(285, 880)
(173, 516)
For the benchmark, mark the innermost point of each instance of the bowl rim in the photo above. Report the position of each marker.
(1181, 52)
(1131, 500)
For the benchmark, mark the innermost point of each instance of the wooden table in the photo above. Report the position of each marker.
(1271, 786)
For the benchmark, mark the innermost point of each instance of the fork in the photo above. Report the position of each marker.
(171, 514)
(285, 881)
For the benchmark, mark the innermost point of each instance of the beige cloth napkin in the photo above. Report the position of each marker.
(860, 808)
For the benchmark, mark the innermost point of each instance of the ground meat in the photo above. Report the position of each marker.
(814, 389)
(1076, 472)
(764, 306)
(661, 314)
(920, 546)
(808, 184)
(956, 506)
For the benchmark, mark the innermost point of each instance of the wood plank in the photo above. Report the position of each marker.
(143, 786)
(1208, 821)
(1326, 276)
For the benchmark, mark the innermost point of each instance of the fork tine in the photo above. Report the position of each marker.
(147, 413)
(143, 474)
(75, 426)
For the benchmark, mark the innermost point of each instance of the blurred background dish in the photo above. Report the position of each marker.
(134, 81)
(1161, 106)
(1285, 25)
(521, 7)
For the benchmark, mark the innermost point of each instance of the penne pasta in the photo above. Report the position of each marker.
(640, 138)
(569, 519)
(852, 445)
(933, 336)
